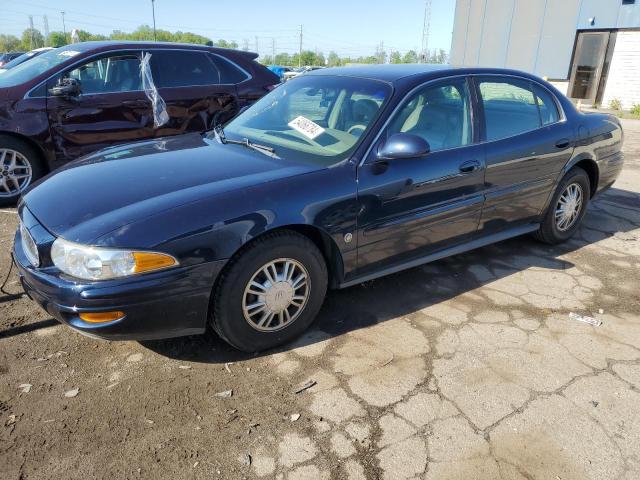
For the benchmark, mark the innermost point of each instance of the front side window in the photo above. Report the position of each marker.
(316, 119)
(117, 73)
(439, 113)
(510, 107)
(183, 68)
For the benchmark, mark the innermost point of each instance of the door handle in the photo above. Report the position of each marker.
(470, 166)
(563, 143)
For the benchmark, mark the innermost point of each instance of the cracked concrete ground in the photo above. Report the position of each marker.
(467, 368)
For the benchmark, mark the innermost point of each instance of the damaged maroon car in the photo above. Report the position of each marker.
(79, 98)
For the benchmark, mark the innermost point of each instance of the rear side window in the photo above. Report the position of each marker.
(509, 108)
(183, 68)
(547, 105)
(229, 72)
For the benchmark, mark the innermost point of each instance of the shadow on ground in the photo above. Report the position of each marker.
(412, 290)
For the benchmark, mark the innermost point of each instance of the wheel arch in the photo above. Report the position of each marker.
(589, 165)
(44, 160)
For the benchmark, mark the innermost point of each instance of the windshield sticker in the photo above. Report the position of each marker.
(69, 53)
(307, 127)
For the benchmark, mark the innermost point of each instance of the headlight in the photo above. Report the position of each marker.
(97, 263)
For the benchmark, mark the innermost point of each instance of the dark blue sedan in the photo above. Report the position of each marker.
(335, 178)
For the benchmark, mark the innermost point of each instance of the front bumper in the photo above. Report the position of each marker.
(164, 304)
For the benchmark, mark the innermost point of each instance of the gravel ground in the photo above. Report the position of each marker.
(466, 368)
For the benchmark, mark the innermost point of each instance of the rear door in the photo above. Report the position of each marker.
(194, 90)
(528, 142)
(110, 109)
(412, 207)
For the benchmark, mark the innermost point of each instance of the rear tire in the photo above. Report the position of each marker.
(20, 166)
(566, 209)
(269, 292)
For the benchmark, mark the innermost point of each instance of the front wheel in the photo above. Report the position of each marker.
(270, 292)
(567, 208)
(20, 166)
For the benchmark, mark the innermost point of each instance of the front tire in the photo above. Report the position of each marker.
(269, 292)
(567, 208)
(20, 166)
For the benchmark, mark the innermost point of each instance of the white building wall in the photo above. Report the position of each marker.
(624, 71)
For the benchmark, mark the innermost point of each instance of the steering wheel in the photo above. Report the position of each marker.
(356, 127)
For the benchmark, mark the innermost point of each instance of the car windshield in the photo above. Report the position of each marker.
(36, 66)
(316, 119)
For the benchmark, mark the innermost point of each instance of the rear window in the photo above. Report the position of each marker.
(183, 68)
(229, 72)
(509, 108)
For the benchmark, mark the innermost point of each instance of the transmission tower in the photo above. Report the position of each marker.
(426, 26)
(46, 31)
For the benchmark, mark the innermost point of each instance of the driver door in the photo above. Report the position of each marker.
(111, 107)
(412, 207)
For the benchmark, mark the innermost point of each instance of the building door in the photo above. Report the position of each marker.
(588, 65)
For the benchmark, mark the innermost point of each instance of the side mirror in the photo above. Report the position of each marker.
(403, 145)
(66, 87)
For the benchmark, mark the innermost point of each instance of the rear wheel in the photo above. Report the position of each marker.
(20, 166)
(567, 208)
(270, 292)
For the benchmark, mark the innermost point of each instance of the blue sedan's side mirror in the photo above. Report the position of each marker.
(403, 145)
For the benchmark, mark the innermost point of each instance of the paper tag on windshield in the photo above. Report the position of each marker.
(68, 53)
(306, 127)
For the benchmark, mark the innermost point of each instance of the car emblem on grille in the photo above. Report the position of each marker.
(29, 246)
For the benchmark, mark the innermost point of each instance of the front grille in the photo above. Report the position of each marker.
(29, 246)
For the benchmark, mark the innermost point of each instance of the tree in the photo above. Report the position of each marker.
(59, 39)
(9, 43)
(32, 38)
(224, 44)
(333, 60)
(410, 57)
(395, 57)
(282, 59)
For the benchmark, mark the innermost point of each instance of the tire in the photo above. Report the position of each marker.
(233, 300)
(550, 232)
(28, 162)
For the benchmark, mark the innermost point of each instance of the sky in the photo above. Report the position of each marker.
(348, 27)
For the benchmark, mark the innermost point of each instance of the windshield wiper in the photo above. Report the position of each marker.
(220, 136)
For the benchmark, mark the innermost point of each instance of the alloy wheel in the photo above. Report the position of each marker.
(15, 172)
(276, 295)
(569, 207)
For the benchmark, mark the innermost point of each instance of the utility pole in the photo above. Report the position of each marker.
(153, 12)
(245, 45)
(31, 32)
(273, 50)
(64, 27)
(426, 26)
(257, 46)
(300, 49)
(46, 31)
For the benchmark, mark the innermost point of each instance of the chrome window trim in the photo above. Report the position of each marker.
(151, 49)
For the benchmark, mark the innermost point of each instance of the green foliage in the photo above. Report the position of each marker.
(615, 104)
(395, 57)
(333, 60)
(9, 43)
(635, 110)
(32, 38)
(410, 57)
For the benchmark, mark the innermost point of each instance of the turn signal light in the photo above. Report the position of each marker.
(100, 317)
(147, 261)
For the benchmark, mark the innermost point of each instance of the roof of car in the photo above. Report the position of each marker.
(394, 72)
(106, 44)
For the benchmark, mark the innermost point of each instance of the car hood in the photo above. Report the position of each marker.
(114, 187)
